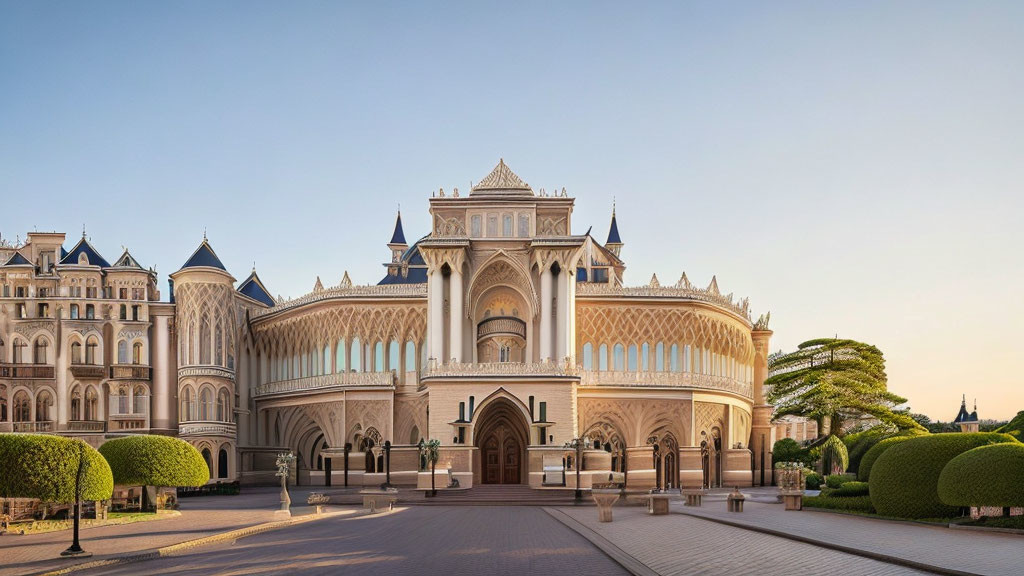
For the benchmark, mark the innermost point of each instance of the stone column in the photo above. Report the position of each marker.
(561, 318)
(243, 379)
(761, 431)
(455, 311)
(160, 350)
(545, 313)
(435, 297)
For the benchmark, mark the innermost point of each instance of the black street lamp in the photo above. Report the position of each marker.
(348, 448)
(577, 445)
(387, 464)
(75, 550)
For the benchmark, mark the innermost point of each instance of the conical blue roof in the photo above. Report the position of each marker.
(92, 256)
(963, 416)
(254, 288)
(204, 256)
(127, 261)
(399, 236)
(613, 232)
(17, 260)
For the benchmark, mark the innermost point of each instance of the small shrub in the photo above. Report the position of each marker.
(853, 503)
(45, 467)
(813, 481)
(852, 488)
(837, 480)
(904, 480)
(788, 450)
(834, 456)
(985, 476)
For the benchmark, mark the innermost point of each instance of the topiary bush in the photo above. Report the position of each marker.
(859, 443)
(788, 450)
(1015, 427)
(837, 480)
(813, 481)
(853, 503)
(155, 461)
(985, 476)
(45, 467)
(852, 488)
(904, 480)
(834, 456)
(864, 471)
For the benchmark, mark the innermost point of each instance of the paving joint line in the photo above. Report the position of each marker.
(628, 562)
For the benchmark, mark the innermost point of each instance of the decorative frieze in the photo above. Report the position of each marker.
(682, 290)
(666, 380)
(342, 292)
(327, 381)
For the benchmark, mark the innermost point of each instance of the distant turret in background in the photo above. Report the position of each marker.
(967, 422)
(614, 243)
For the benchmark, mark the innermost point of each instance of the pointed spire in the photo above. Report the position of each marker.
(318, 287)
(654, 281)
(502, 180)
(398, 236)
(684, 282)
(713, 287)
(614, 243)
(346, 282)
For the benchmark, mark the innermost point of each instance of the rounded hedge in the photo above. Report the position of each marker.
(904, 480)
(155, 461)
(985, 476)
(864, 471)
(45, 467)
(835, 458)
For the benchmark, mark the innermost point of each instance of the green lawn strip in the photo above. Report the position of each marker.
(113, 519)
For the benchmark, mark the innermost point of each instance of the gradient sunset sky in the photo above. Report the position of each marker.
(855, 168)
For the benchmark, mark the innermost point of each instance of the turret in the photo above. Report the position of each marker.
(397, 245)
(614, 243)
(967, 422)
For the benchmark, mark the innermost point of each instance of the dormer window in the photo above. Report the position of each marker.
(83, 260)
(506, 225)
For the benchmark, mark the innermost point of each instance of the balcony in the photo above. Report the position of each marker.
(130, 372)
(501, 325)
(469, 369)
(207, 429)
(90, 426)
(641, 379)
(327, 382)
(87, 371)
(31, 427)
(26, 371)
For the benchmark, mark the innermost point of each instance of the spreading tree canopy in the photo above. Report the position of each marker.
(155, 461)
(832, 380)
(46, 467)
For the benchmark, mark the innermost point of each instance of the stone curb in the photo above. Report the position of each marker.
(887, 558)
(988, 529)
(618, 555)
(131, 557)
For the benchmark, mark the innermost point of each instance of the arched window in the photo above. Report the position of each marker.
(188, 405)
(76, 352)
(209, 462)
(22, 407)
(414, 436)
(222, 464)
(205, 404)
(140, 399)
(339, 357)
(122, 352)
(602, 357)
(76, 404)
(327, 359)
(90, 350)
(686, 359)
(378, 357)
(631, 358)
(90, 312)
(205, 347)
(137, 353)
(296, 366)
(659, 357)
(18, 348)
(223, 406)
(355, 365)
(41, 351)
(410, 356)
(218, 348)
(394, 355)
(619, 361)
(43, 403)
(91, 404)
(122, 401)
(588, 356)
(74, 311)
(304, 366)
(3, 403)
(645, 357)
(674, 358)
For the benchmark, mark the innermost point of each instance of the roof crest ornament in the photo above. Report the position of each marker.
(346, 282)
(654, 281)
(502, 180)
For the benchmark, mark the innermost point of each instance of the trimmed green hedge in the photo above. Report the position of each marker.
(858, 443)
(904, 480)
(853, 503)
(788, 450)
(834, 456)
(813, 481)
(1014, 427)
(852, 488)
(866, 463)
(985, 476)
(45, 467)
(837, 480)
(155, 461)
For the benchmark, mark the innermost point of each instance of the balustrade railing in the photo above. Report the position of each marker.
(26, 371)
(86, 426)
(338, 380)
(206, 429)
(30, 427)
(130, 372)
(87, 371)
(454, 369)
(665, 379)
(501, 325)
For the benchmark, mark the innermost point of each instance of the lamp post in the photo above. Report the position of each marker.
(655, 452)
(387, 465)
(75, 550)
(433, 454)
(348, 448)
(577, 445)
(284, 464)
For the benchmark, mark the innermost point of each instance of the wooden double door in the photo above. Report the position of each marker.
(502, 453)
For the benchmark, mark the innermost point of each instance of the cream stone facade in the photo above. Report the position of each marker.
(499, 333)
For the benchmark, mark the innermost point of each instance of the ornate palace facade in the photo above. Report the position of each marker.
(500, 333)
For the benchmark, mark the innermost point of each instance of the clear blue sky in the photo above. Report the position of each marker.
(856, 168)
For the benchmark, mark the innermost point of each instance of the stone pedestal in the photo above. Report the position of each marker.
(377, 498)
(693, 497)
(605, 499)
(735, 501)
(657, 504)
(793, 500)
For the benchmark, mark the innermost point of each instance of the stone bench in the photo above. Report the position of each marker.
(319, 500)
(735, 500)
(373, 499)
(693, 497)
(657, 503)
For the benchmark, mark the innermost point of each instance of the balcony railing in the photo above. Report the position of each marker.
(456, 369)
(206, 429)
(87, 426)
(26, 371)
(501, 325)
(666, 380)
(29, 427)
(86, 371)
(130, 372)
(327, 381)
(128, 407)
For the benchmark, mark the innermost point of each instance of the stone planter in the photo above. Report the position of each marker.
(605, 498)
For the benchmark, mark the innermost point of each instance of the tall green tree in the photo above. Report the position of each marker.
(833, 380)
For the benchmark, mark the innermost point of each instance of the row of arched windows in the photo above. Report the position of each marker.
(21, 353)
(346, 356)
(659, 358)
(137, 352)
(207, 406)
(20, 407)
(221, 471)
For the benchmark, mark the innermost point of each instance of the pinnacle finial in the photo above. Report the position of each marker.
(83, 229)
(204, 233)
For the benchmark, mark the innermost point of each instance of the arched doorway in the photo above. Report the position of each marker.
(502, 436)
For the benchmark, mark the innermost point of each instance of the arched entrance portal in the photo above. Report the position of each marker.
(502, 436)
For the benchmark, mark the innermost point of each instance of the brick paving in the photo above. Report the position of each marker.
(679, 544)
(416, 540)
(960, 550)
(200, 516)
